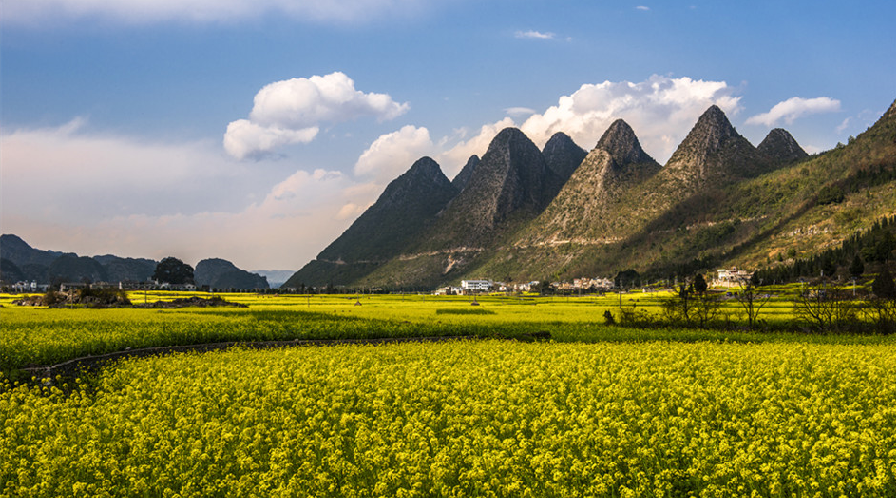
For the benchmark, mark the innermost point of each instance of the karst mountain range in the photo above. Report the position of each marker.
(519, 213)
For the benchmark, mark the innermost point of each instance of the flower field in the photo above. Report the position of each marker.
(465, 418)
(49, 336)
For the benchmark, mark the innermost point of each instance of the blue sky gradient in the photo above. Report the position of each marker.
(114, 113)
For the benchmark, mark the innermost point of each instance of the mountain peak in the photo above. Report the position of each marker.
(11, 241)
(715, 124)
(407, 205)
(424, 175)
(513, 169)
(426, 168)
(891, 112)
(780, 146)
(714, 152)
(561, 156)
(508, 138)
(622, 143)
(511, 178)
(460, 181)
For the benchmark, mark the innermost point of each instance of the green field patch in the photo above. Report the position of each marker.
(464, 311)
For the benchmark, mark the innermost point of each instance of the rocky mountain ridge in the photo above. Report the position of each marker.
(617, 208)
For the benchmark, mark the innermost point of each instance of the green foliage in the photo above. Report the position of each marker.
(627, 279)
(463, 311)
(830, 194)
(875, 244)
(883, 286)
(173, 271)
(857, 267)
(699, 284)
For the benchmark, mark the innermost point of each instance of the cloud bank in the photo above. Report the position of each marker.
(290, 111)
(65, 188)
(793, 108)
(661, 110)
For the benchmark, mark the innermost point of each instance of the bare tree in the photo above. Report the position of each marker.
(881, 307)
(751, 300)
(706, 308)
(680, 307)
(882, 313)
(825, 308)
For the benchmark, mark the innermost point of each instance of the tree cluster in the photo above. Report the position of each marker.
(875, 245)
(173, 271)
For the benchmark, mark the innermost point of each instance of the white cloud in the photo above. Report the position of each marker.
(392, 154)
(71, 173)
(660, 109)
(303, 102)
(793, 108)
(519, 111)
(534, 35)
(289, 111)
(64, 188)
(245, 138)
(843, 125)
(350, 211)
(141, 11)
(643, 7)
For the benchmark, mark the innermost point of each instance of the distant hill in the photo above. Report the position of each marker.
(222, 274)
(718, 201)
(21, 262)
(24, 262)
(120, 269)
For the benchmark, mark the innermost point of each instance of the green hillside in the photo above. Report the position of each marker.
(718, 202)
(795, 211)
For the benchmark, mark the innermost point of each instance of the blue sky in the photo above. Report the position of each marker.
(258, 130)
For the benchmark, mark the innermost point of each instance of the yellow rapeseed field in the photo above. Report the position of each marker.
(480, 418)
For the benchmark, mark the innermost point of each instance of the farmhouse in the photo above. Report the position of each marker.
(732, 277)
(475, 285)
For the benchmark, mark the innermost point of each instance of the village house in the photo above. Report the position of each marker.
(476, 285)
(27, 287)
(731, 277)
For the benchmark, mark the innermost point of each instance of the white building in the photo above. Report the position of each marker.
(476, 285)
(732, 277)
(25, 286)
